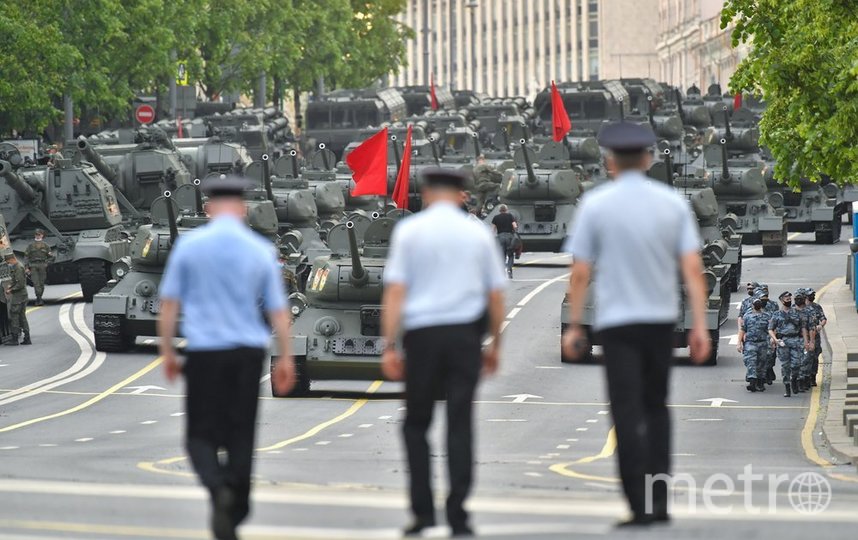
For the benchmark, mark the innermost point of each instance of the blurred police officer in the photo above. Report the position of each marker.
(639, 235)
(817, 345)
(788, 331)
(754, 343)
(17, 296)
(38, 256)
(443, 280)
(809, 316)
(223, 296)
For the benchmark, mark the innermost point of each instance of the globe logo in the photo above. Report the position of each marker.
(809, 493)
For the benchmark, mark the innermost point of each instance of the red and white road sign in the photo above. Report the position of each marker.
(145, 114)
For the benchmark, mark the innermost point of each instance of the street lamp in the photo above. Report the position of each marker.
(472, 6)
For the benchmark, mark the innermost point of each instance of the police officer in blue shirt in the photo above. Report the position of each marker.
(444, 283)
(223, 279)
(637, 237)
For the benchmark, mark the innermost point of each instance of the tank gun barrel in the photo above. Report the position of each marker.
(92, 155)
(668, 165)
(433, 144)
(266, 177)
(24, 190)
(531, 176)
(359, 276)
(679, 108)
(725, 167)
(727, 133)
(171, 217)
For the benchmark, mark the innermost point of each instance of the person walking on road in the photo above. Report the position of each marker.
(224, 279)
(444, 284)
(38, 256)
(17, 297)
(788, 331)
(817, 345)
(810, 316)
(505, 226)
(754, 343)
(639, 236)
(745, 306)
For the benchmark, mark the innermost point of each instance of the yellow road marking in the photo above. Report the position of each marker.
(113, 530)
(66, 297)
(90, 402)
(815, 399)
(607, 451)
(155, 466)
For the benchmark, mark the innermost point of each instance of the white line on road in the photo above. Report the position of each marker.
(149, 422)
(704, 420)
(582, 429)
(265, 378)
(178, 414)
(548, 367)
(364, 426)
(84, 439)
(8, 448)
(563, 447)
(118, 432)
(506, 420)
(571, 440)
(387, 417)
(602, 412)
(592, 421)
(533, 474)
(323, 443)
(346, 435)
(513, 312)
(541, 288)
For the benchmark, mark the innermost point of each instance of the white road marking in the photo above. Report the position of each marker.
(571, 440)
(3, 365)
(8, 447)
(548, 367)
(323, 443)
(592, 421)
(178, 414)
(47, 445)
(503, 326)
(149, 422)
(533, 474)
(300, 449)
(83, 439)
(513, 313)
(582, 429)
(506, 420)
(521, 398)
(563, 447)
(346, 435)
(541, 288)
(265, 378)
(364, 426)
(142, 389)
(148, 341)
(274, 452)
(704, 420)
(387, 417)
(534, 463)
(683, 455)
(717, 401)
(602, 412)
(118, 432)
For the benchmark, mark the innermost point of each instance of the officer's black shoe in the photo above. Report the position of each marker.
(39, 302)
(787, 392)
(461, 530)
(636, 521)
(223, 501)
(752, 385)
(12, 342)
(761, 387)
(416, 528)
(26, 341)
(794, 385)
(813, 380)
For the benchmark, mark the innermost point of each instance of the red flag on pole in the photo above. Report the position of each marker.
(559, 118)
(368, 163)
(737, 101)
(433, 99)
(400, 190)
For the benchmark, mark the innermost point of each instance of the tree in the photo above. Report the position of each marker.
(378, 42)
(804, 63)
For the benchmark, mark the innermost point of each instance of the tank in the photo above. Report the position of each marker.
(813, 207)
(213, 156)
(141, 175)
(541, 192)
(79, 211)
(336, 329)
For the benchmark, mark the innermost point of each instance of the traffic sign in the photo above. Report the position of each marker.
(145, 114)
(182, 73)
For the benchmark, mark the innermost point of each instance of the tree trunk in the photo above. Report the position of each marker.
(296, 101)
(277, 98)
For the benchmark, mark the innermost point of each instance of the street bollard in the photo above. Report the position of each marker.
(853, 247)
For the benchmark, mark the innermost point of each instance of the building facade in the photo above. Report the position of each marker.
(517, 47)
(692, 48)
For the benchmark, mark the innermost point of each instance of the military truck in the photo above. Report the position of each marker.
(588, 107)
(418, 98)
(338, 117)
(76, 207)
(541, 192)
(336, 329)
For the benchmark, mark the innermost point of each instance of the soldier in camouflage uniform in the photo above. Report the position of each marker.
(745, 306)
(754, 343)
(771, 308)
(38, 256)
(821, 321)
(788, 329)
(16, 296)
(802, 305)
(487, 180)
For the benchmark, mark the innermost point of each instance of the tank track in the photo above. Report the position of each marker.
(92, 274)
(108, 334)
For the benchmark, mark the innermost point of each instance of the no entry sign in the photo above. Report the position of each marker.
(145, 114)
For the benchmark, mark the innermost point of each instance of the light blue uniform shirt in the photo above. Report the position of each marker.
(448, 263)
(224, 275)
(634, 231)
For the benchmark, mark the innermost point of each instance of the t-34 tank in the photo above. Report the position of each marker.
(336, 333)
(541, 192)
(740, 186)
(79, 211)
(813, 208)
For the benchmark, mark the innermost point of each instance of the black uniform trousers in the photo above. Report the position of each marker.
(441, 360)
(638, 359)
(223, 393)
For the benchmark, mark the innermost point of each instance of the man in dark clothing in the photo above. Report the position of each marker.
(505, 225)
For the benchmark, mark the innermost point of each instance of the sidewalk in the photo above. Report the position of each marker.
(840, 424)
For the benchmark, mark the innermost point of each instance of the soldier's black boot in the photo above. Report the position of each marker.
(802, 384)
(806, 381)
(752, 385)
(12, 341)
(26, 340)
(787, 392)
(813, 379)
(761, 386)
(794, 385)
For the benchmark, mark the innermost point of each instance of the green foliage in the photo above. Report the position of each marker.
(104, 52)
(804, 62)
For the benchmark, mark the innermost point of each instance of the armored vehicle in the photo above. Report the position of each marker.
(213, 156)
(715, 250)
(588, 107)
(813, 208)
(541, 192)
(336, 330)
(76, 207)
(338, 117)
(418, 98)
(151, 167)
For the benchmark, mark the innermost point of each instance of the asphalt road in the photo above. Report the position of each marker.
(91, 448)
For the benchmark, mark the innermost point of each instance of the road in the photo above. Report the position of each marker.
(90, 444)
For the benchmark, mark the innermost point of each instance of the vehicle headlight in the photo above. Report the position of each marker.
(298, 303)
(776, 199)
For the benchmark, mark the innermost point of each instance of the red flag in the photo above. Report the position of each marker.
(559, 117)
(368, 163)
(737, 101)
(433, 99)
(400, 190)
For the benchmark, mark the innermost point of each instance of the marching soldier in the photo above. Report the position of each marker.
(745, 306)
(788, 331)
(754, 343)
(16, 294)
(809, 314)
(820, 324)
(38, 256)
(771, 308)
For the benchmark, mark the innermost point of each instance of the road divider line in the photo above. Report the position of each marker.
(90, 402)
(156, 466)
(530, 296)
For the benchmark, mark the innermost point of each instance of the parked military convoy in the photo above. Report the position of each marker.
(113, 204)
